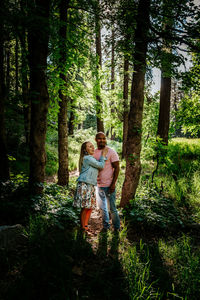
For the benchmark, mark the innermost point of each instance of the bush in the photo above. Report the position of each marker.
(17, 205)
(152, 210)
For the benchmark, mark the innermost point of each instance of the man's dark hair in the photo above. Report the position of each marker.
(100, 132)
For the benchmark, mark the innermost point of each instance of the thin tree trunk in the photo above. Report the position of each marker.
(25, 90)
(99, 105)
(63, 171)
(112, 81)
(4, 169)
(38, 50)
(125, 114)
(8, 70)
(71, 118)
(24, 75)
(165, 91)
(133, 144)
(16, 66)
(164, 110)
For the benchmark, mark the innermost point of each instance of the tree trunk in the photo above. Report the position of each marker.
(16, 66)
(133, 144)
(24, 75)
(71, 118)
(165, 90)
(38, 50)
(4, 169)
(99, 105)
(112, 133)
(63, 172)
(125, 114)
(8, 70)
(164, 110)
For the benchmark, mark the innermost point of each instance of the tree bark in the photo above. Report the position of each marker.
(24, 76)
(112, 133)
(166, 66)
(4, 169)
(63, 171)
(8, 69)
(38, 51)
(133, 144)
(164, 110)
(71, 118)
(125, 114)
(16, 66)
(99, 105)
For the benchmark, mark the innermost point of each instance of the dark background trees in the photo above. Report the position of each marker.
(56, 90)
(81, 75)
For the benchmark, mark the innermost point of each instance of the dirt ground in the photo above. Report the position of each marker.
(95, 222)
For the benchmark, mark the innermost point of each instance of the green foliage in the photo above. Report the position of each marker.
(182, 257)
(16, 142)
(191, 79)
(76, 68)
(47, 271)
(75, 142)
(59, 208)
(180, 162)
(184, 148)
(17, 205)
(152, 210)
(149, 126)
(52, 160)
(74, 146)
(188, 268)
(187, 115)
(137, 265)
(176, 174)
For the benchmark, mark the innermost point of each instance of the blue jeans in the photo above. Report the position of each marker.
(107, 202)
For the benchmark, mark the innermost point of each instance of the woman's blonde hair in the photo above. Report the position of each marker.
(82, 154)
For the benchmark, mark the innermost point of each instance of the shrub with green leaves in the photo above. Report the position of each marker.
(52, 160)
(150, 209)
(17, 204)
(59, 208)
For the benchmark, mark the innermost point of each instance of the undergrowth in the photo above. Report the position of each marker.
(155, 256)
(151, 209)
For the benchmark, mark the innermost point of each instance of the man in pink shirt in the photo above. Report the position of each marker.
(106, 181)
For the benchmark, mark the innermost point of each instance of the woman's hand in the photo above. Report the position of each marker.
(104, 151)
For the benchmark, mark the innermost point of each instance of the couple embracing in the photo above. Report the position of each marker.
(99, 168)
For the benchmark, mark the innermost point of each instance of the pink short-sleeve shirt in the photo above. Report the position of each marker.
(105, 176)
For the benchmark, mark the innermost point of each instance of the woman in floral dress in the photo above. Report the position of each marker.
(85, 195)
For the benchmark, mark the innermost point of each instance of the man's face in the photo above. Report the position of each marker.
(101, 140)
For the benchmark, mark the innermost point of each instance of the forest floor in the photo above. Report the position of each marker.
(90, 265)
(101, 275)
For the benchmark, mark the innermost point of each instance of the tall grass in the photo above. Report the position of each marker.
(182, 260)
(137, 264)
(178, 174)
(166, 207)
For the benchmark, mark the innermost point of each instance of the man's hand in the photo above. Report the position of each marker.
(115, 166)
(112, 188)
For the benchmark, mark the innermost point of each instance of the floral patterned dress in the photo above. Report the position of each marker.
(85, 196)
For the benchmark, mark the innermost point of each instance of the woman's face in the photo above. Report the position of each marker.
(90, 148)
